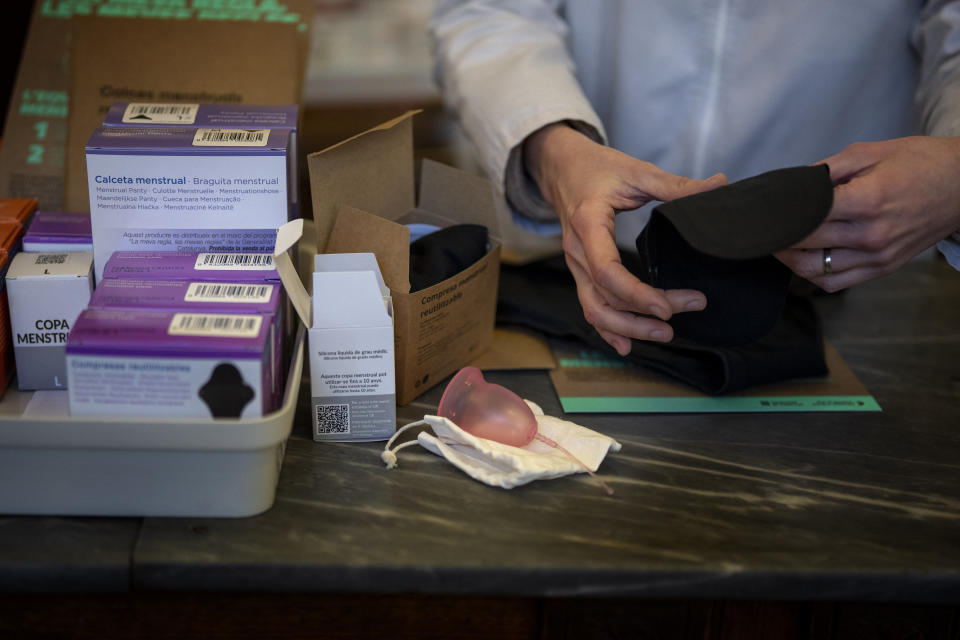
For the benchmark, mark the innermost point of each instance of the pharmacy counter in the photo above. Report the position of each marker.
(795, 509)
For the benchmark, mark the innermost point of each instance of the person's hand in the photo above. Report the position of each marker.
(587, 184)
(892, 200)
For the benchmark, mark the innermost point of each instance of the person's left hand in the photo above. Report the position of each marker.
(891, 200)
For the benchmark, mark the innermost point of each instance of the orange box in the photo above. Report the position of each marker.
(10, 234)
(18, 209)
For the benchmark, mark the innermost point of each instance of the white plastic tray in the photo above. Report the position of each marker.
(59, 465)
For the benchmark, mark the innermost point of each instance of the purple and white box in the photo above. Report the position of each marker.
(57, 231)
(199, 267)
(213, 116)
(178, 364)
(45, 292)
(263, 298)
(188, 190)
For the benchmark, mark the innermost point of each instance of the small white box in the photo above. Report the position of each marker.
(46, 293)
(351, 350)
(351, 341)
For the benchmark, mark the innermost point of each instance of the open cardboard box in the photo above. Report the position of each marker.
(363, 194)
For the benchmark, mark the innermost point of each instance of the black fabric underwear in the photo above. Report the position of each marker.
(753, 330)
(719, 242)
(445, 253)
(543, 296)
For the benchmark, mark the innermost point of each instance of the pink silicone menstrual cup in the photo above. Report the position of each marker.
(487, 410)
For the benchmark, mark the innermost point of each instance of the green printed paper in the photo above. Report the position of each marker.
(590, 382)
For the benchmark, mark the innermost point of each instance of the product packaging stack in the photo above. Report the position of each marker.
(188, 314)
(192, 335)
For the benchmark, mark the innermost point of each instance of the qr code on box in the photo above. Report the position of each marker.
(333, 418)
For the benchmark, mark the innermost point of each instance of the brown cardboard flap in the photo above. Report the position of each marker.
(372, 171)
(356, 231)
(458, 195)
(35, 131)
(516, 348)
(423, 216)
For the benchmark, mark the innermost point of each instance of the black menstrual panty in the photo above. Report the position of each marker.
(719, 242)
(753, 331)
(444, 253)
(543, 296)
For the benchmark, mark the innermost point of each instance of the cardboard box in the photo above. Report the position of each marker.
(186, 189)
(18, 209)
(362, 192)
(182, 365)
(35, 130)
(46, 292)
(10, 232)
(58, 231)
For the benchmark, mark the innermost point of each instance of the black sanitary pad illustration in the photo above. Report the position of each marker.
(225, 393)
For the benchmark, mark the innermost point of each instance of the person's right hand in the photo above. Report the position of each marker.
(587, 184)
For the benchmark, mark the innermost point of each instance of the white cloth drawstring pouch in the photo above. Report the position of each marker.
(502, 465)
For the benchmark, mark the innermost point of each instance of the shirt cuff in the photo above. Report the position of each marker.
(950, 248)
(530, 210)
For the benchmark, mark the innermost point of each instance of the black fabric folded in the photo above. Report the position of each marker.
(719, 242)
(543, 296)
(445, 253)
(754, 217)
(745, 298)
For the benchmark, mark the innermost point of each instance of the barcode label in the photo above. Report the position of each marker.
(333, 418)
(231, 137)
(210, 292)
(50, 258)
(234, 261)
(215, 324)
(157, 113)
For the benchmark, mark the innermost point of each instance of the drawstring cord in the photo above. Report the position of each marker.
(553, 443)
(389, 456)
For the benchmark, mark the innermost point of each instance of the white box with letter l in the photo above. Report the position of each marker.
(46, 292)
(350, 342)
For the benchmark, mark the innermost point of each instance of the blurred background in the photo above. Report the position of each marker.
(368, 61)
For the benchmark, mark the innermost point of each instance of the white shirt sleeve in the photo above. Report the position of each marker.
(504, 67)
(937, 39)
